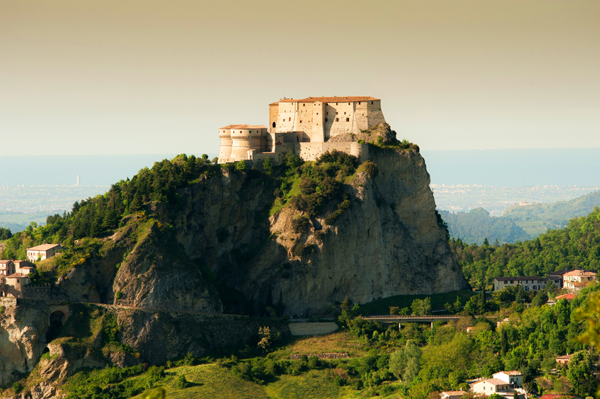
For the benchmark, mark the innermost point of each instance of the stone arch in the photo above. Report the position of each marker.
(57, 319)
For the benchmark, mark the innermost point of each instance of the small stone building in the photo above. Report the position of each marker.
(7, 267)
(42, 252)
(491, 386)
(576, 280)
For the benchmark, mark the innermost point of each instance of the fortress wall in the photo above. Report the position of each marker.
(340, 118)
(287, 117)
(273, 114)
(375, 115)
(226, 143)
(318, 128)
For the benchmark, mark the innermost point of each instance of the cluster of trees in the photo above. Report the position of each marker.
(5, 234)
(98, 216)
(445, 357)
(576, 246)
(313, 187)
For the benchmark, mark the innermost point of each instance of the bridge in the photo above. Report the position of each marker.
(412, 319)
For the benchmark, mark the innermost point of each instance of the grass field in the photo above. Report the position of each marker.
(382, 306)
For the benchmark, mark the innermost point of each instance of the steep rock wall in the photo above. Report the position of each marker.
(388, 243)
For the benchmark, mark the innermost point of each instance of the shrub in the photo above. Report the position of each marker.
(181, 382)
(240, 165)
(17, 387)
(301, 225)
(268, 166)
(370, 168)
(118, 295)
(298, 250)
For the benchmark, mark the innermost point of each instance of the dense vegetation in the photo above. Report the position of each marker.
(5, 234)
(476, 226)
(576, 246)
(101, 215)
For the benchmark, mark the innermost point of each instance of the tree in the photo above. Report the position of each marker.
(240, 165)
(405, 363)
(520, 296)
(136, 203)
(156, 393)
(540, 298)
(421, 307)
(346, 304)
(268, 166)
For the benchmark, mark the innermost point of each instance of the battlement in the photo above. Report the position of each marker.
(303, 126)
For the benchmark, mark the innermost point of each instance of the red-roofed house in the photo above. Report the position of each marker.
(512, 377)
(576, 280)
(42, 252)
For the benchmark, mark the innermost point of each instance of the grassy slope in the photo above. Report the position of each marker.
(382, 306)
(539, 217)
(211, 380)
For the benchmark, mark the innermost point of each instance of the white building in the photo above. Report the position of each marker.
(531, 283)
(576, 280)
(512, 377)
(493, 385)
(42, 252)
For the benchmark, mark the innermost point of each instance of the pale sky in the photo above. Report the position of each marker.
(145, 77)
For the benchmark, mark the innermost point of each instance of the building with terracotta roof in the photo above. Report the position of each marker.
(452, 394)
(564, 359)
(491, 386)
(576, 280)
(42, 252)
(304, 127)
(7, 267)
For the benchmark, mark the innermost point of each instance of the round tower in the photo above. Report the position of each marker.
(225, 150)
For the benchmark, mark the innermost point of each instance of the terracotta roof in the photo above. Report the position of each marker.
(568, 297)
(243, 127)
(349, 99)
(454, 393)
(566, 357)
(27, 267)
(43, 247)
(17, 275)
(493, 381)
(582, 284)
(5, 262)
(512, 372)
(559, 272)
(519, 278)
(582, 273)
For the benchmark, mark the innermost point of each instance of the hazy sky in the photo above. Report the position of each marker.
(124, 77)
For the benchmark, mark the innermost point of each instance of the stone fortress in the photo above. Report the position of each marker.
(307, 127)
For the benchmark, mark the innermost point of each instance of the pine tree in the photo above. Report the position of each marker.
(136, 204)
(346, 304)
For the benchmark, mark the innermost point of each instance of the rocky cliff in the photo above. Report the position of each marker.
(387, 243)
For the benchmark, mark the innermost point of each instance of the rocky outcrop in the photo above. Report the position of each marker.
(22, 340)
(387, 243)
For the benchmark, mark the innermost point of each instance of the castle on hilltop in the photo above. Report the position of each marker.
(307, 127)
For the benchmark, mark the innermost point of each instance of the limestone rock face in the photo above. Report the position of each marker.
(22, 338)
(158, 274)
(387, 243)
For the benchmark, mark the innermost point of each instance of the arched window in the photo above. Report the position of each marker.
(273, 124)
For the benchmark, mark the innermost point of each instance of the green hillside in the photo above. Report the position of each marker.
(576, 246)
(537, 218)
(477, 225)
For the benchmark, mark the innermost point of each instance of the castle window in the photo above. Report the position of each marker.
(336, 104)
(344, 113)
(274, 124)
(359, 103)
(325, 119)
(300, 121)
(337, 119)
(347, 119)
(371, 102)
(289, 119)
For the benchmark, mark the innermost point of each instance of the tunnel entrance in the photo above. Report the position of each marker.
(56, 322)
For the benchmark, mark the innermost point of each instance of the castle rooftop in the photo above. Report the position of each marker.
(328, 99)
(244, 127)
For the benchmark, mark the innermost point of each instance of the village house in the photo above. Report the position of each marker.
(7, 267)
(42, 252)
(558, 275)
(564, 359)
(512, 377)
(14, 275)
(576, 280)
(452, 394)
(491, 386)
(531, 283)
